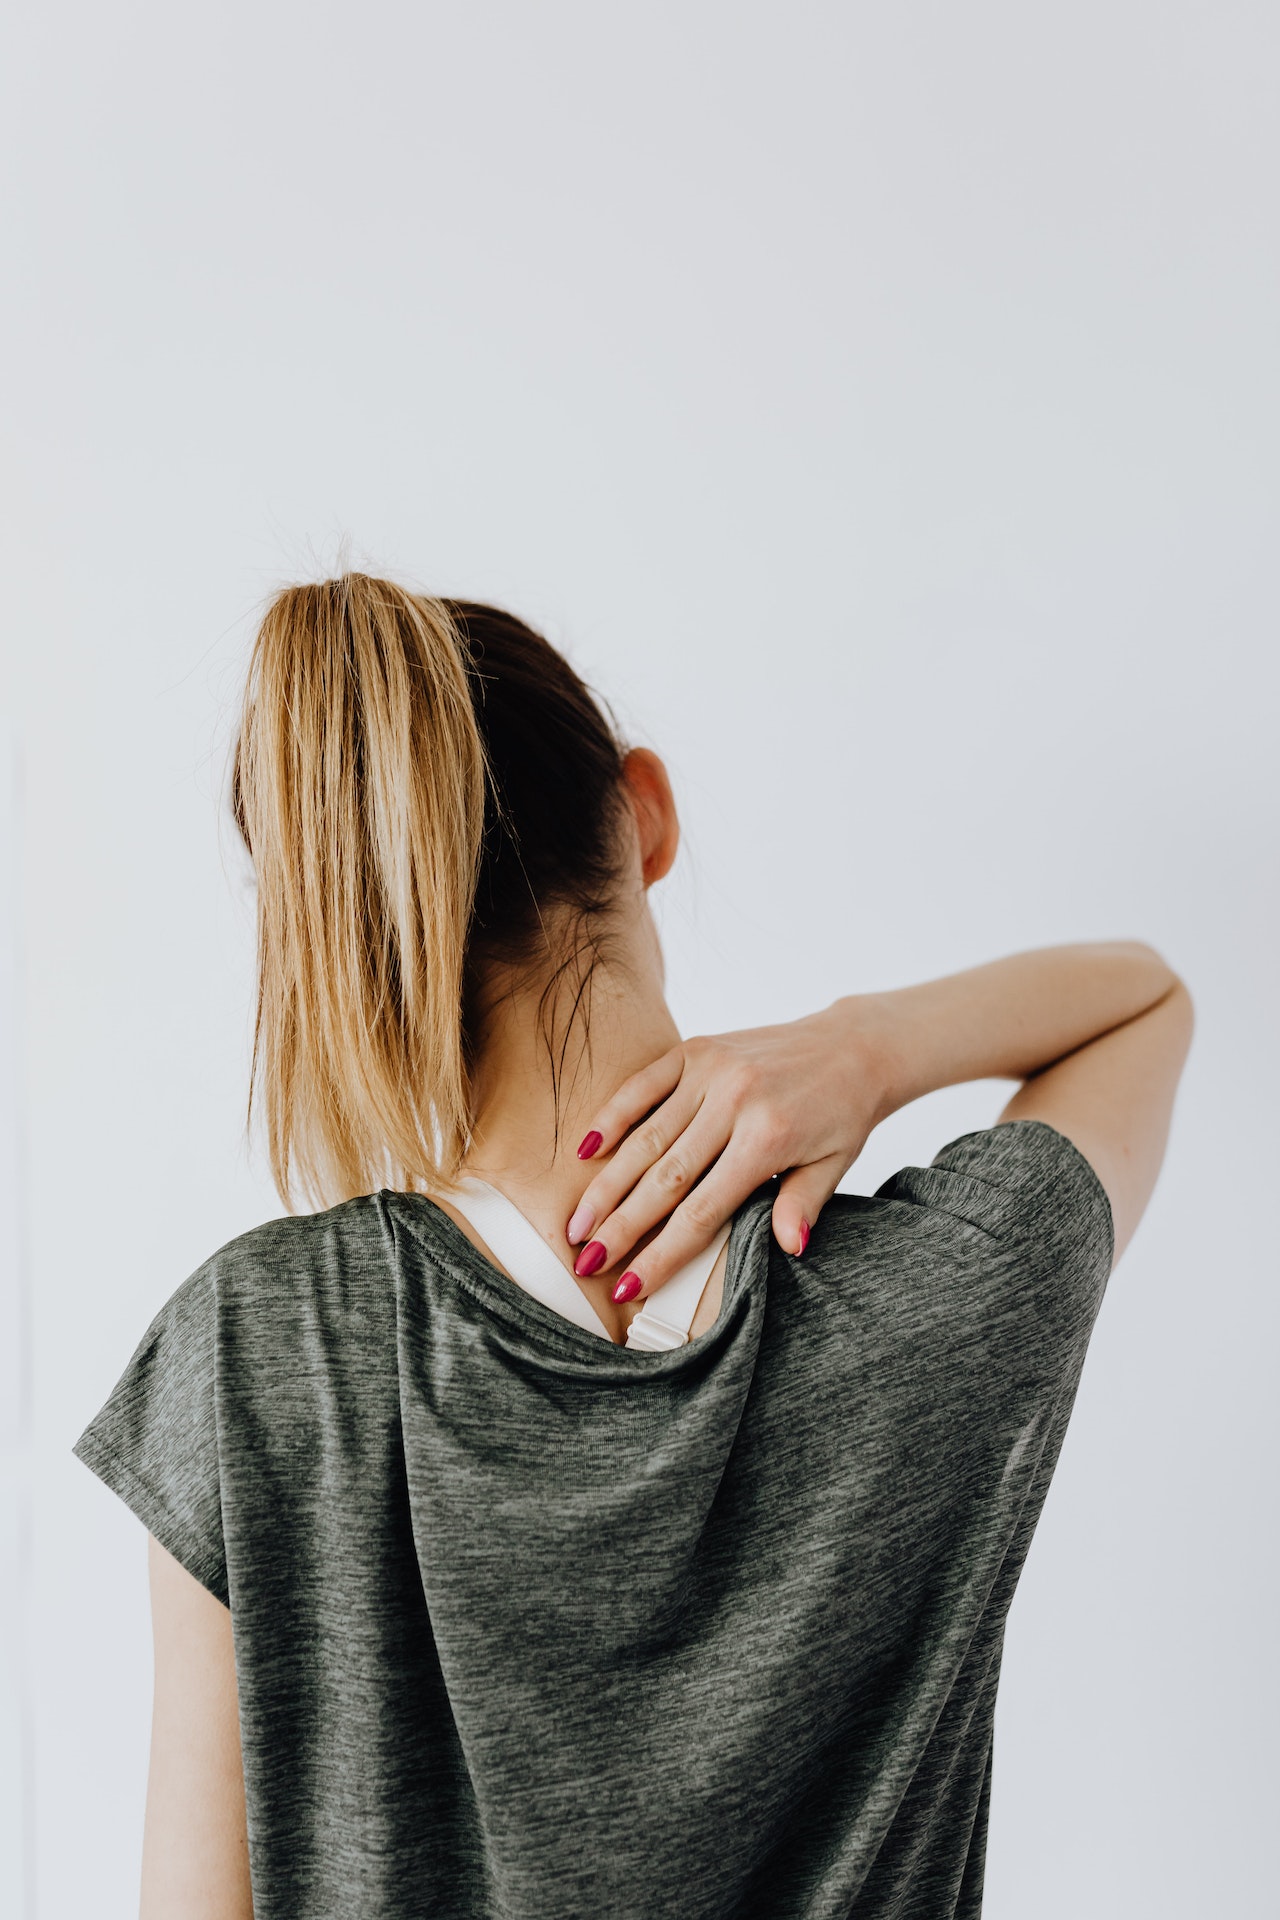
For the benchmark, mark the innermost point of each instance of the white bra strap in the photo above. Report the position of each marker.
(665, 1320)
(519, 1247)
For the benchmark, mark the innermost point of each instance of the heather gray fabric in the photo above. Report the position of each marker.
(532, 1627)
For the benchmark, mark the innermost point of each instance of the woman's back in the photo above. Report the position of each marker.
(530, 1625)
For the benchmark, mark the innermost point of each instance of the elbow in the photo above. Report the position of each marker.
(1175, 989)
(1177, 1015)
(1179, 996)
(1162, 976)
(1142, 950)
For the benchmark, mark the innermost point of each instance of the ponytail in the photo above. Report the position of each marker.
(415, 781)
(359, 788)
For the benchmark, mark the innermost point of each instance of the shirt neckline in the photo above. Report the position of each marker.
(456, 1255)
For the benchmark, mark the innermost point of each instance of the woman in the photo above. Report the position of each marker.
(456, 1612)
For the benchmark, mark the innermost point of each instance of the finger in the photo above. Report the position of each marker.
(634, 1158)
(803, 1194)
(692, 1226)
(660, 1188)
(631, 1101)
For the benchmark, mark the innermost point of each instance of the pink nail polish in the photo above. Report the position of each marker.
(804, 1235)
(580, 1226)
(627, 1288)
(590, 1145)
(591, 1259)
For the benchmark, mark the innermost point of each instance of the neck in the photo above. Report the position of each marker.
(527, 1128)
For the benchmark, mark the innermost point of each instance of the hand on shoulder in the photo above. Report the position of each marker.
(1096, 1033)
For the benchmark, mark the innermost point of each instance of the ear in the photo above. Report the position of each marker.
(654, 807)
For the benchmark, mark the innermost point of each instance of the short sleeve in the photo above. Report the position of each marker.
(1020, 1181)
(155, 1442)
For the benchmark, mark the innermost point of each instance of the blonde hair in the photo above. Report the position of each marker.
(359, 786)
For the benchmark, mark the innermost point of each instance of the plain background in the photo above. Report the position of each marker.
(880, 405)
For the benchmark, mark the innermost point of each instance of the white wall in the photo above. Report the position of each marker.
(881, 404)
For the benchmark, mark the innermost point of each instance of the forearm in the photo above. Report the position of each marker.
(715, 1116)
(1007, 1020)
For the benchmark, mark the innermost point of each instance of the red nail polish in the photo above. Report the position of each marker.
(591, 1259)
(627, 1288)
(590, 1145)
(804, 1235)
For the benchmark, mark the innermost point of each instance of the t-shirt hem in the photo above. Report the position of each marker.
(155, 1515)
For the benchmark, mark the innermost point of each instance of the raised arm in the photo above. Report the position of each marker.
(1097, 1034)
(1113, 1098)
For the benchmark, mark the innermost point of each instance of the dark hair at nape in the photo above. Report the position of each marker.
(553, 806)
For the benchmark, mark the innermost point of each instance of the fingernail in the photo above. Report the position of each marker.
(590, 1145)
(804, 1235)
(591, 1259)
(580, 1226)
(627, 1288)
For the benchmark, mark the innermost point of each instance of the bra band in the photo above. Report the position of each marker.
(517, 1245)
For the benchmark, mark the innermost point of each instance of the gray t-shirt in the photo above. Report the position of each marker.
(532, 1627)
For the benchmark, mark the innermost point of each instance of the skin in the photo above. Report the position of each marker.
(195, 1852)
(1095, 1036)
